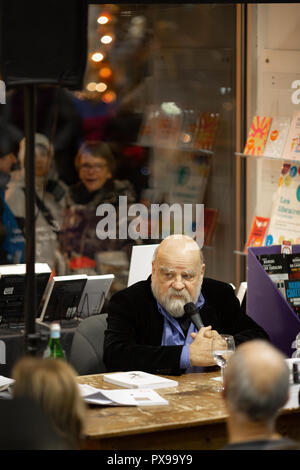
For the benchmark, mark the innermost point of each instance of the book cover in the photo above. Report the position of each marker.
(292, 146)
(276, 265)
(292, 295)
(277, 137)
(207, 131)
(284, 220)
(138, 379)
(258, 232)
(293, 261)
(257, 136)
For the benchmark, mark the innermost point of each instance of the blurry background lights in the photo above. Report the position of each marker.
(103, 19)
(91, 86)
(97, 57)
(109, 96)
(105, 72)
(101, 87)
(106, 39)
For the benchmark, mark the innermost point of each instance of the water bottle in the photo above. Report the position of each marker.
(54, 348)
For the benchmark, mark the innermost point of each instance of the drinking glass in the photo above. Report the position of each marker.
(222, 348)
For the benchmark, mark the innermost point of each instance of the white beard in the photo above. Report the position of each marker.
(175, 305)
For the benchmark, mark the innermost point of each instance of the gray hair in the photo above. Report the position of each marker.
(256, 398)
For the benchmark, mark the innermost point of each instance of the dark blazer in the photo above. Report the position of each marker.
(135, 326)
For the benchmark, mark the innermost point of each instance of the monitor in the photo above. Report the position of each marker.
(12, 290)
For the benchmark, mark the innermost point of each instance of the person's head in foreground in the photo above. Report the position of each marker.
(256, 387)
(177, 273)
(95, 164)
(51, 383)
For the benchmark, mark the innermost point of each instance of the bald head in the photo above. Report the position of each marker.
(179, 244)
(177, 273)
(257, 380)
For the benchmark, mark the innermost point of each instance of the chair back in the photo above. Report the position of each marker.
(86, 354)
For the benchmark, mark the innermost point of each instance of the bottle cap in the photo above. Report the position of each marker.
(55, 330)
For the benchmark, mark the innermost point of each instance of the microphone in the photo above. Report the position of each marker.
(191, 310)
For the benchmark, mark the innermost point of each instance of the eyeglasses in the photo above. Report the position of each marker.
(97, 167)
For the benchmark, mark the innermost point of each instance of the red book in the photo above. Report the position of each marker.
(258, 232)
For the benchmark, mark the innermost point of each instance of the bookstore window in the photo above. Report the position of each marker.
(159, 90)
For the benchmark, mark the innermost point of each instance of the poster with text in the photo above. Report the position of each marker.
(285, 215)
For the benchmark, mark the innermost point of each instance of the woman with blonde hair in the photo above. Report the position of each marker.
(51, 383)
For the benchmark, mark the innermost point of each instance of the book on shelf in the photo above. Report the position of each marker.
(258, 232)
(277, 136)
(207, 129)
(284, 270)
(132, 397)
(139, 379)
(284, 219)
(276, 266)
(292, 147)
(257, 136)
(292, 295)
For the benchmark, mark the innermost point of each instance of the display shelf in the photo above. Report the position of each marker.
(267, 157)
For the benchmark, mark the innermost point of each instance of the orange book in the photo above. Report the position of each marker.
(258, 232)
(258, 135)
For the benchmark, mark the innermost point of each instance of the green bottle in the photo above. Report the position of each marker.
(54, 348)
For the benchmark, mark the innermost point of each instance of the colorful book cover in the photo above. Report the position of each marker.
(258, 232)
(207, 131)
(277, 137)
(284, 220)
(292, 146)
(292, 294)
(258, 135)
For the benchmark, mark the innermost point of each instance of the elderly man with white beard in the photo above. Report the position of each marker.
(148, 328)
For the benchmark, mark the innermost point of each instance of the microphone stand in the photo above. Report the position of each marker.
(31, 339)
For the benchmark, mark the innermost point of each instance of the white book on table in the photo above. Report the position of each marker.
(138, 379)
(140, 397)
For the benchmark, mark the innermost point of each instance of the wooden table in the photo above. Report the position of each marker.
(194, 419)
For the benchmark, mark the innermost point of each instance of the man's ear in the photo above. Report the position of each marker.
(153, 267)
(202, 270)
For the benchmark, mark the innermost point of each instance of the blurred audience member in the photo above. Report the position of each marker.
(11, 238)
(78, 239)
(49, 202)
(256, 387)
(52, 385)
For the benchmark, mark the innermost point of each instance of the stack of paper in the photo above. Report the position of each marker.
(140, 397)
